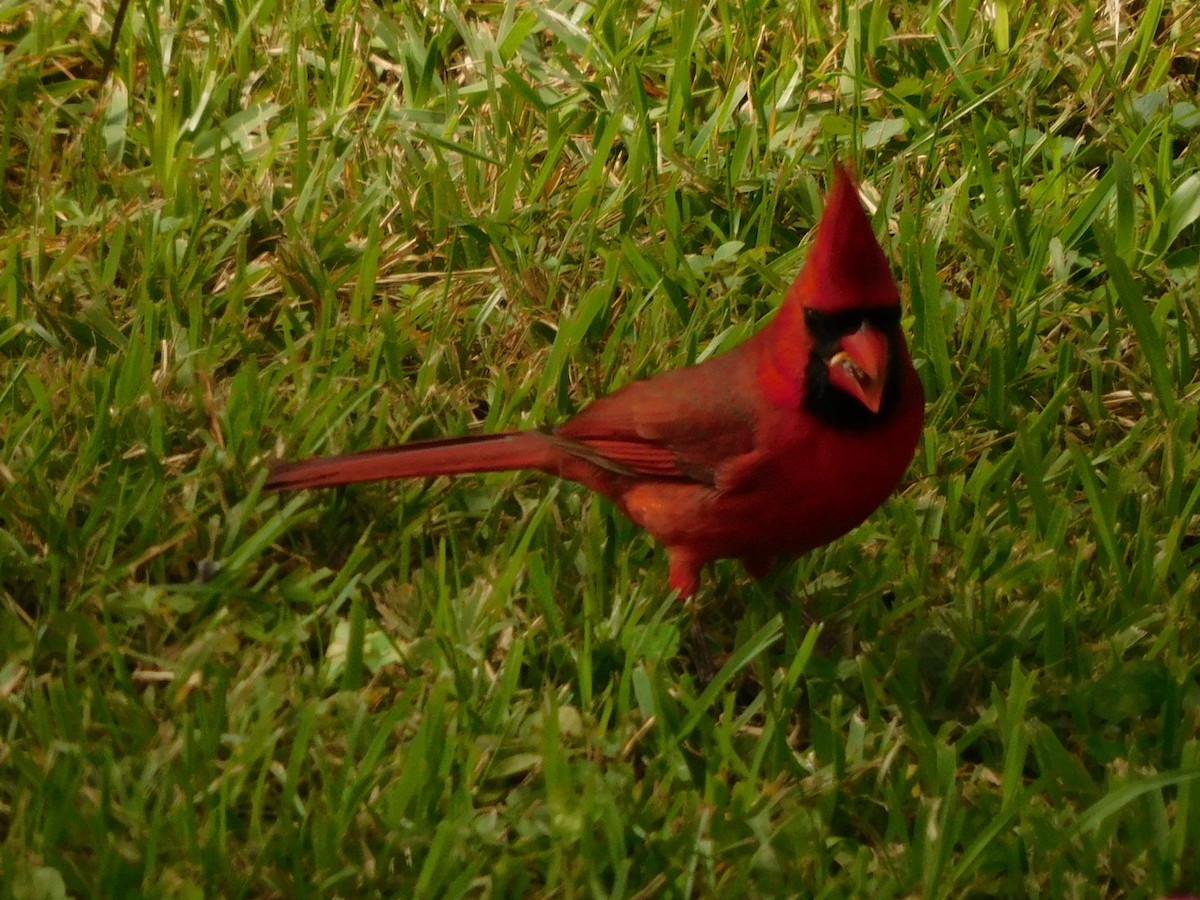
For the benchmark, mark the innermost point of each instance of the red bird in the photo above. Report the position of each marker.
(778, 446)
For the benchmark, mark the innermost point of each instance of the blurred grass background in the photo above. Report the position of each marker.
(292, 228)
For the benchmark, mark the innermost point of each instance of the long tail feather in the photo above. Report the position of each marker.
(419, 459)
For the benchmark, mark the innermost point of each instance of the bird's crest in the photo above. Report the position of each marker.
(846, 268)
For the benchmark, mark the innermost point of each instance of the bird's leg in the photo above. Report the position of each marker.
(685, 579)
(685, 572)
(701, 653)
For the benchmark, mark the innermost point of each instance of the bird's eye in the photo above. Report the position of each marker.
(832, 325)
(884, 318)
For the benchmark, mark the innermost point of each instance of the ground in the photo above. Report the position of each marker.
(277, 229)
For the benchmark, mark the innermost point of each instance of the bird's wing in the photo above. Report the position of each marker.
(687, 424)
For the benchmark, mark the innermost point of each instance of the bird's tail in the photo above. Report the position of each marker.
(420, 459)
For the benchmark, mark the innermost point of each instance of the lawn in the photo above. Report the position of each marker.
(272, 229)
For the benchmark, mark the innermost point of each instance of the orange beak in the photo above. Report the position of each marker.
(860, 366)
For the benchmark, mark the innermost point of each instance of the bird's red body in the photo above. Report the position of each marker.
(776, 447)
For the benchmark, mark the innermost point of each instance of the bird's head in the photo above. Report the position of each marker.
(851, 313)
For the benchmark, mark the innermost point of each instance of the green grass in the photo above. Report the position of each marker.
(282, 229)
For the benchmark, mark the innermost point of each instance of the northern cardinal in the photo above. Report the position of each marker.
(778, 446)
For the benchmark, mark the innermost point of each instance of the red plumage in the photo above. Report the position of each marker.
(776, 447)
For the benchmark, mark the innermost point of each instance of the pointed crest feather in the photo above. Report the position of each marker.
(846, 268)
